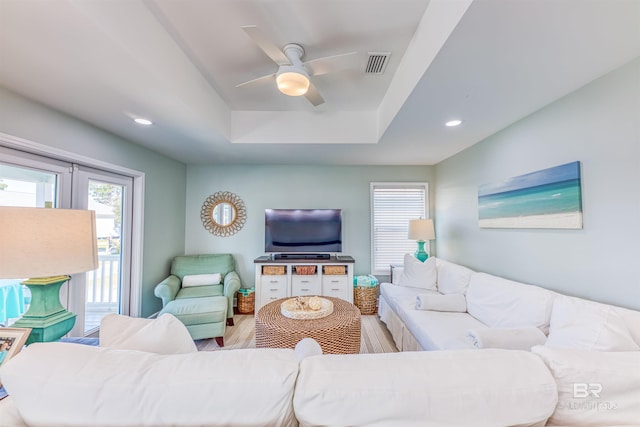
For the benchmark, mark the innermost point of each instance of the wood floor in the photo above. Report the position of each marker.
(375, 336)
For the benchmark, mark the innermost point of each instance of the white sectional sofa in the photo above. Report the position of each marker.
(273, 387)
(149, 373)
(61, 384)
(494, 303)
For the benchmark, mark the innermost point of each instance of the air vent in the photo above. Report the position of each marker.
(377, 62)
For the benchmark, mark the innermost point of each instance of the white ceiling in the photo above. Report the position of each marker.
(487, 62)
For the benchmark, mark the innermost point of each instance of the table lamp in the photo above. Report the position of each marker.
(46, 245)
(421, 230)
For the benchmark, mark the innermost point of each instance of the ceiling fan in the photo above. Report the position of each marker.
(293, 77)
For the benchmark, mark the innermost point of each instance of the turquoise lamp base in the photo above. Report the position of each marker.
(420, 252)
(47, 318)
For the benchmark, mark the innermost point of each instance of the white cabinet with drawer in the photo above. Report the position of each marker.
(305, 285)
(272, 288)
(337, 286)
(278, 278)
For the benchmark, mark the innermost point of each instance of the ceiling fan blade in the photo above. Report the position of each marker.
(267, 46)
(330, 64)
(257, 79)
(314, 96)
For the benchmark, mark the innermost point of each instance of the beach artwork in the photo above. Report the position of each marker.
(548, 198)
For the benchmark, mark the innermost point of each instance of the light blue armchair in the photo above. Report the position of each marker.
(202, 309)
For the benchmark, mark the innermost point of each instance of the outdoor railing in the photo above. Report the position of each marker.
(103, 283)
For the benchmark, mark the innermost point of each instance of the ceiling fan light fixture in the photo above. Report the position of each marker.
(292, 81)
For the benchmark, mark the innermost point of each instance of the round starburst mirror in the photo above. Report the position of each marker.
(223, 214)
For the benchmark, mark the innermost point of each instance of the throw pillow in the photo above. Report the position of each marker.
(452, 278)
(595, 388)
(437, 302)
(164, 335)
(201, 280)
(501, 303)
(587, 325)
(418, 274)
(506, 338)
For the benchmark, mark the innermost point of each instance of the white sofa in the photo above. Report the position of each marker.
(138, 377)
(61, 384)
(494, 303)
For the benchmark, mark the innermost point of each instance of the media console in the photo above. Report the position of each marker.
(278, 277)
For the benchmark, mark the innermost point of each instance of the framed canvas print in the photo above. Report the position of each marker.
(548, 198)
(11, 342)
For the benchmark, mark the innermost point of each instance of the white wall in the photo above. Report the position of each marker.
(165, 179)
(263, 187)
(598, 125)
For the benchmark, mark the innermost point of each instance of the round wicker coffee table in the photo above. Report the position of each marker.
(337, 333)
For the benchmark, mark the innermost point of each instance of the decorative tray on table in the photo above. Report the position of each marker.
(306, 308)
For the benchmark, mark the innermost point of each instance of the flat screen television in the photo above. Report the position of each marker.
(303, 230)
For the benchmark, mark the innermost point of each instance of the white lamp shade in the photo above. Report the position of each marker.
(45, 242)
(421, 229)
(292, 81)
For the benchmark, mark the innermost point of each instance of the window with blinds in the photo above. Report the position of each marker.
(392, 206)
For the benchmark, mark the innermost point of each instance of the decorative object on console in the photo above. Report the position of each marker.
(306, 307)
(306, 270)
(332, 270)
(548, 198)
(47, 245)
(421, 230)
(223, 214)
(274, 270)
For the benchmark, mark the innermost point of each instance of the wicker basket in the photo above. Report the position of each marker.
(366, 299)
(246, 303)
(335, 270)
(305, 270)
(274, 270)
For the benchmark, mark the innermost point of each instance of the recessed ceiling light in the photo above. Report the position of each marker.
(141, 121)
(452, 123)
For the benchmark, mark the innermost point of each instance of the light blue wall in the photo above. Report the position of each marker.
(165, 179)
(598, 125)
(262, 187)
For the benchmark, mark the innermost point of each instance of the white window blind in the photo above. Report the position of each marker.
(392, 206)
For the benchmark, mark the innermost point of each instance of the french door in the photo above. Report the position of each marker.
(103, 291)
(37, 181)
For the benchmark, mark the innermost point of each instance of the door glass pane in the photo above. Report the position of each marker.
(103, 286)
(24, 187)
(27, 187)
